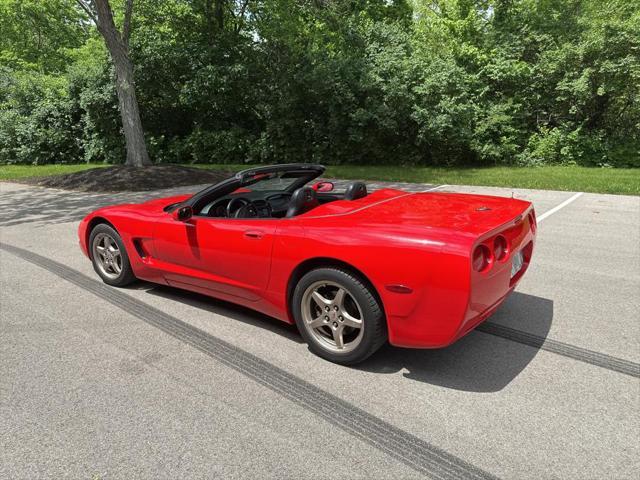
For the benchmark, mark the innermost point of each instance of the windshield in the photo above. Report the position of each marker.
(275, 178)
(277, 181)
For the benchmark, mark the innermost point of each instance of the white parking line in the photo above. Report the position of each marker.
(562, 205)
(434, 188)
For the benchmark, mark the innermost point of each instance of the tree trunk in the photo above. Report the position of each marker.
(137, 155)
(218, 13)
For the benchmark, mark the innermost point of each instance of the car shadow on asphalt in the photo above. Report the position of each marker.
(478, 362)
(220, 307)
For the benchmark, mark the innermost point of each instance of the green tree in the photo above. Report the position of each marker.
(433, 82)
(117, 42)
(39, 35)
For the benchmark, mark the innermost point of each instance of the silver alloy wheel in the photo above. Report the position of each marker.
(332, 316)
(107, 255)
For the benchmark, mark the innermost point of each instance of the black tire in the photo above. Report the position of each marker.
(125, 276)
(374, 333)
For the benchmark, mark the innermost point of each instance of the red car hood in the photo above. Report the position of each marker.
(163, 202)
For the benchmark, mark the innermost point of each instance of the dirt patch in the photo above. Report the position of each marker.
(120, 178)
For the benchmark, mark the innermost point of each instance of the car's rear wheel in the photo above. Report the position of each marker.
(338, 315)
(109, 256)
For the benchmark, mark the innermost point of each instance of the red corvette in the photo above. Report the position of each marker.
(351, 269)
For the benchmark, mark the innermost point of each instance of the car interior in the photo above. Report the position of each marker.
(272, 203)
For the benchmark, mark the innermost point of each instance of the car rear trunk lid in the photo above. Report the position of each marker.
(477, 215)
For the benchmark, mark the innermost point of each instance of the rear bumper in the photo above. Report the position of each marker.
(448, 309)
(443, 335)
(473, 322)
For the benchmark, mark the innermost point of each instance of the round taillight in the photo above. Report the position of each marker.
(500, 248)
(481, 258)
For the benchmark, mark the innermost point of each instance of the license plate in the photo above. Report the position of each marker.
(516, 264)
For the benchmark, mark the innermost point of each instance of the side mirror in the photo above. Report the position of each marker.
(323, 186)
(182, 214)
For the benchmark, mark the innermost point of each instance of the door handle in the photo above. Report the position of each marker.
(253, 234)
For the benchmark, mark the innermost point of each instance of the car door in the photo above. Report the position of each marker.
(225, 257)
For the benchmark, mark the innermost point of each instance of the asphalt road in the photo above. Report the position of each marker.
(153, 382)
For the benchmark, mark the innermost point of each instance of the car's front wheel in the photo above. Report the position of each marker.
(109, 256)
(338, 315)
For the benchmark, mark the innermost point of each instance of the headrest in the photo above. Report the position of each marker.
(302, 200)
(355, 190)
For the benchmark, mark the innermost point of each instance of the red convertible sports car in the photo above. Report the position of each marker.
(351, 269)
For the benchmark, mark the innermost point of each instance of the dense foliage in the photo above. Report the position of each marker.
(423, 82)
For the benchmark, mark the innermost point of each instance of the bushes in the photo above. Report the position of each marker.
(561, 147)
(59, 119)
(36, 123)
(371, 82)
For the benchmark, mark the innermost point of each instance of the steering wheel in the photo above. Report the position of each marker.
(241, 208)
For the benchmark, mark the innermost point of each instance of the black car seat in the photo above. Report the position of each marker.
(302, 200)
(355, 190)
